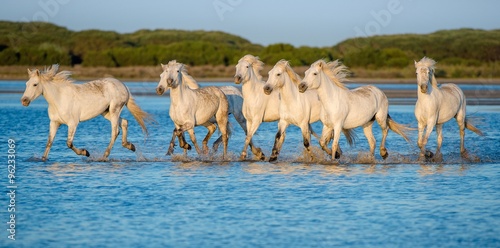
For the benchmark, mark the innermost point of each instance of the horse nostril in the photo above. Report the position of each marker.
(160, 90)
(237, 79)
(25, 101)
(302, 87)
(268, 90)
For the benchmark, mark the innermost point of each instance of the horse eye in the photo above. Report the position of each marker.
(247, 66)
(35, 85)
(279, 74)
(315, 74)
(177, 71)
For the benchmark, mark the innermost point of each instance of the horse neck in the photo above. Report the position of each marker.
(178, 94)
(52, 92)
(328, 89)
(252, 86)
(289, 92)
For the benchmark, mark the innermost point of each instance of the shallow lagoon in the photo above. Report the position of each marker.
(149, 199)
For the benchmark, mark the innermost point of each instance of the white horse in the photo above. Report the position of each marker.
(194, 107)
(257, 106)
(295, 108)
(437, 105)
(347, 109)
(235, 100)
(71, 103)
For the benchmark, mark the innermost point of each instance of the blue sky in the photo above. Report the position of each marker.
(298, 22)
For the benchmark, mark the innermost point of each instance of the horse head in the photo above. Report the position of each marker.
(312, 80)
(248, 66)
(171, 77)
(425, 72)
(33, 87)
(276, 77)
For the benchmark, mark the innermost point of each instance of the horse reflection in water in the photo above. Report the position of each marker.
(71, 104)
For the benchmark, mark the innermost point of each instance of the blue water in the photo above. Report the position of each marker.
(147, 199)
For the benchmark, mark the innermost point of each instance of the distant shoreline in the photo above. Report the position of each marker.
(208, 73)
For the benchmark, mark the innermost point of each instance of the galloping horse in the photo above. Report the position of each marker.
(194, 107)
(295, 108)
(235, 100)
(71, 103)
(257, 106)
(347, 109)
(437, 105)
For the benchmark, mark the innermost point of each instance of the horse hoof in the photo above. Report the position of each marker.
(337, 155)
(272, 159)
(188, 147)
(86, 153)
(429, 154)
(262, 157)
(384, 154)
(44, 159)
(132, 147)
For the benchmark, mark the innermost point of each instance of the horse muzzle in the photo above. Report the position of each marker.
(237, 79)
(268, 90)
(160, 90)
(302, 87)
(25, 101)
(423, 88)
(170, 82)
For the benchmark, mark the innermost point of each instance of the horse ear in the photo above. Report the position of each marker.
(415, 62)
(37, 72)
(29, 71)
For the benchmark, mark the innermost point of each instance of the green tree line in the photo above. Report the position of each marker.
(38, 43)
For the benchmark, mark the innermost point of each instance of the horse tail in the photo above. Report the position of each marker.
(350, 136)
(470, 126)
(398, 128)
(140, 115)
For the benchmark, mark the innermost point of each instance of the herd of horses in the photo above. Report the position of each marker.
(286, 98)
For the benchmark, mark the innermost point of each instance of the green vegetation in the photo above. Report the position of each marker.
(460, 53)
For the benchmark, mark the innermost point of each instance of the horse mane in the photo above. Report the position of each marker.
(335, 70)
(50, 74)
(431, 65)
(293, 76)
(257, 65)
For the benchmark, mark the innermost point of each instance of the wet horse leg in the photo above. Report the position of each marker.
(52, 133)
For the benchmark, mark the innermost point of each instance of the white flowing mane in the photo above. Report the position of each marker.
(429, 63)
(50, 74)
(257, 65)
(336, 72)
(286, 66)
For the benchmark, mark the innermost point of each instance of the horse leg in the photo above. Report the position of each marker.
(336, 138)
(368, 131)
(125, 143)
(428, 131)
(193, 139)
(222, 122)
(52, 133)
(252, 128)
(461, 126)
(382, 122)
(69, 141)
(255, 150)
(278, 140)
(113, 118)
(211, 129)
(306, 137)
(439, 133)
(171, 145)
(326, 136)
